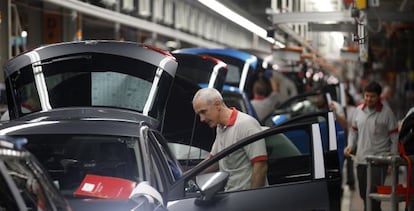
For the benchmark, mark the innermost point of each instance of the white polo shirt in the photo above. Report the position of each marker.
(374, 132)
(239, 163)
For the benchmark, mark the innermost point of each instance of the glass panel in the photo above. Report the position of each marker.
(88, 80)
(233, 74)
(119, 90)
(289, 157)
(68, 158)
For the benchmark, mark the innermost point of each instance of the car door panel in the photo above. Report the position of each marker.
(298, 196)
(293, 178)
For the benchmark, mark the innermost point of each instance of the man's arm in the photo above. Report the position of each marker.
(259, 174)
(339, 114)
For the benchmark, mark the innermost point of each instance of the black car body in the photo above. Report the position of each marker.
(74, 142)
(88, 78)
(24, 183)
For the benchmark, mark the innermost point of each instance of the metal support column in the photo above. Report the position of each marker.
(5, 22)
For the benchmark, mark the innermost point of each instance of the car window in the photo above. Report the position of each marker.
(235, 99)
(183, 152)
(233, 74)
(188, 156)
(289, 157)
(90, 80)
(69, 158)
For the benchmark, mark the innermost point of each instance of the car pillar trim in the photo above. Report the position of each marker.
(318, 161)
(40, 80)
(332, 132)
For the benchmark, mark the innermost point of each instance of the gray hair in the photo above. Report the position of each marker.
(208, 94)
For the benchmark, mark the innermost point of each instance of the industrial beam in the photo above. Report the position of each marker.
(131, 21)
(390, 16)
(305, 17)
(337, 27)
(5, 34)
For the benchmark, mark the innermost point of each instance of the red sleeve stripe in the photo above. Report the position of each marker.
(210, 155)
(395, 130)
(355, 128)
(259, 158)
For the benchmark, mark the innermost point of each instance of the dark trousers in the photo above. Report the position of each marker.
(350, 175)
(378, 175)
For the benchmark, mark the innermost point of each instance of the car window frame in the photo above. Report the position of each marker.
(160, 155)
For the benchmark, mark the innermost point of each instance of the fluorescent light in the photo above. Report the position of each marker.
(236, 18)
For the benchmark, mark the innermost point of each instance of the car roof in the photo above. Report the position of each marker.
(127, 49)
(241, 55)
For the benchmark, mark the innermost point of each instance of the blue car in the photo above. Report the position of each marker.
(233, 97)
(303, 104)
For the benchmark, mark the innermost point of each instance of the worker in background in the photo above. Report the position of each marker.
(374, 132)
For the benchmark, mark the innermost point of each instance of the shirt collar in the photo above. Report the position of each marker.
(233, 117)
(378, 108)
(259, 98)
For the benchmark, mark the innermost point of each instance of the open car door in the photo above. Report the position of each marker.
(296, 171)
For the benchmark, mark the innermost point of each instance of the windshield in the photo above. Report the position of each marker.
(69, 158)
(88, 80)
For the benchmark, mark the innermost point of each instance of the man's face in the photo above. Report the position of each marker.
(371, 99)
(209, 113)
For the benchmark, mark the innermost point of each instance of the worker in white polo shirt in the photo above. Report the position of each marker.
(374, 132)
(247, 167)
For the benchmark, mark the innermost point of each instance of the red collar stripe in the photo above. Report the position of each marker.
(233, 117)
(377, 108)
(259, 98)
(395, 130)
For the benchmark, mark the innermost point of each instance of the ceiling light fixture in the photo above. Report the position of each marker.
(236, 18)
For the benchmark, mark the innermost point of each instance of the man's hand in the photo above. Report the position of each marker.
(348, 151)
